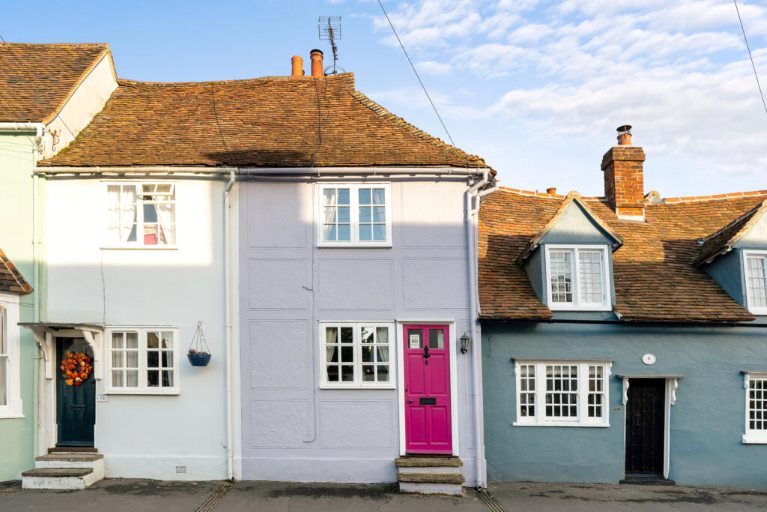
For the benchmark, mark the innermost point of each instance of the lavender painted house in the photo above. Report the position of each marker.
(356, 232)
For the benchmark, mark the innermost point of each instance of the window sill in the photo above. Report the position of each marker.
(354, 245)
(143, 392)
(357, 386)
(139, 247)
(755, 438)
(758, 311)
(11, 416)
(580, 308)
(561, 424)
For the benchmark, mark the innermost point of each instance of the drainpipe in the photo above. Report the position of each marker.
(40, 379)
(472, 197)
(228, 329)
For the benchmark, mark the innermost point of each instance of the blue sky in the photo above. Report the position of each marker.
(536, 87)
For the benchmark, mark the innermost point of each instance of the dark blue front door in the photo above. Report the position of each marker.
(76, 405)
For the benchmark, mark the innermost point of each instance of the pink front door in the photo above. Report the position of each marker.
(427, 389)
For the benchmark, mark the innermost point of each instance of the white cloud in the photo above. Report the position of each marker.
(431, 67)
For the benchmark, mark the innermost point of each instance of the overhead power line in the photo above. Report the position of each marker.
(748, 47)
(416, 72)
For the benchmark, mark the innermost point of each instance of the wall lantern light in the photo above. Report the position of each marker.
(465, 340)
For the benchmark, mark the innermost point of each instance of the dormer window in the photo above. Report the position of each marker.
(578, 277)
(755, 265)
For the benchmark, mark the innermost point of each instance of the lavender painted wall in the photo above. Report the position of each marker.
(292, 429)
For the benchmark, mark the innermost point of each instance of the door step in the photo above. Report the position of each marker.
(65, 470)
(430, 475)
(72, 449)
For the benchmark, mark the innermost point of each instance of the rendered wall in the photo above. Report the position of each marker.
(706, 424)
(145, 436)
(16, 163)
(292, 429)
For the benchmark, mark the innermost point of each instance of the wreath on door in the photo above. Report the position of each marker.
(76, 367)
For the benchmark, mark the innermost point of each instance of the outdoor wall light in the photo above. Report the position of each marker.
(465, 340)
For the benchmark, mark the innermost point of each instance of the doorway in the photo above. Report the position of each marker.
(75, 404)
(645, 424)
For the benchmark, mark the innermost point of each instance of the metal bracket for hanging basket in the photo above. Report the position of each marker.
(199, 352)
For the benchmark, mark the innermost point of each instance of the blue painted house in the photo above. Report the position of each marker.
(624, 336)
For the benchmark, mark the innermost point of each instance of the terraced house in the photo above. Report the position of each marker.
(624, 335)
(48, 93)
(320, 244)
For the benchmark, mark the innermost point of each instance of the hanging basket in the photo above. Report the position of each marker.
(199, 353)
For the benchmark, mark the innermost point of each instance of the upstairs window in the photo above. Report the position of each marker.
(567, 393)
(355, 215)
(755, 264)
(578, 278)
(141, 215)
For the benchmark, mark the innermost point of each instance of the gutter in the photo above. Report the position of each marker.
(625, 323)
(6, 127)
(228, 329)
(473, 197)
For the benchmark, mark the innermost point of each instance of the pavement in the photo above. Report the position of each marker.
(123, 495)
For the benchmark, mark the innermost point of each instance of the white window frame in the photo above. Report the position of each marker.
(357, 383)
(143, 388)
(582, 419)
(354, 215)
(577, 304)
(745, 254)
(139, 243)
(13, 407)
(752, 436)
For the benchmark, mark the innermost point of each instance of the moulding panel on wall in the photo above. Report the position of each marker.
(274, 215)
(356, 284)
(280, 423)
(278, 283)
(435, 283)
(357, 424)
(279, 355)
(425, 207)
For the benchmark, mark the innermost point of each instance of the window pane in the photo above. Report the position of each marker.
(382, 373)
(347, 354)
(117, 340)
(366, 214)
(415, 338)
(153, 378)
(131, 378)
(383, 354)
(367, 354)
(329, 197)
(591, 279)
(757, 281)
(329, 232)
(366, 232)
(382, 334)
(436, 339)
(347, 334)
(343, 196)
(117, 378)
(344, 232)
(366, 335)
(347, 373)
(560, 268)
(153, 359)
(364, 196)
(118, 359)
(379, 214)
(379, 232)
(131, 340)
(368, 373)
(152, 340)
(344, 215)
(167, 340)
(379, 196)
(167, 378)
(131, 359)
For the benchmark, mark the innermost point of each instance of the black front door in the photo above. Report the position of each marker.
(645, 413)
(76, 405)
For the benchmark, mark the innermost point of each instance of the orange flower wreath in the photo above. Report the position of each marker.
(76, 367)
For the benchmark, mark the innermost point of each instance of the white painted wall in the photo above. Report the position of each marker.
(86, 101)
(147, 436)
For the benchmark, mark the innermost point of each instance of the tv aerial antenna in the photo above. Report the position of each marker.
(329, 28)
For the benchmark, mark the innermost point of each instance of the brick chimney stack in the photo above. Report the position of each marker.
(623, 166)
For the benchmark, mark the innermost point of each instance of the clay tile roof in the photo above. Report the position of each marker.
(654, 273)
(572, 197)
(262, 122)
(36, 80)
(11, 279)
(723, 240)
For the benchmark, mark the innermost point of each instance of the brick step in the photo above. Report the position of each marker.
(70, 457)
(417, 461)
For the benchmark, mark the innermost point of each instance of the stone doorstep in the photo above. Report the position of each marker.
(439, 489)
(72, 449)
(431, 478)
(58, 472)
(70, 457)
(410, 461)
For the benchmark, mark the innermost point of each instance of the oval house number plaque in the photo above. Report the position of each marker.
(648, 359)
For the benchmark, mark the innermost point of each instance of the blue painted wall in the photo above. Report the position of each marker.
(726, 271)
(707, 422)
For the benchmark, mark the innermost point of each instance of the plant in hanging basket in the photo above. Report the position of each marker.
(198, 358)
(199, 353)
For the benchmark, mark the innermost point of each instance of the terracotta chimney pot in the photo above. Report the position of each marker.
(552, 191)
(318, 69)
(297, 66)
(624, 135)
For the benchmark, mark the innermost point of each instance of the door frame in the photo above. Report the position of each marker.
(452, 361)
(669, 399)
